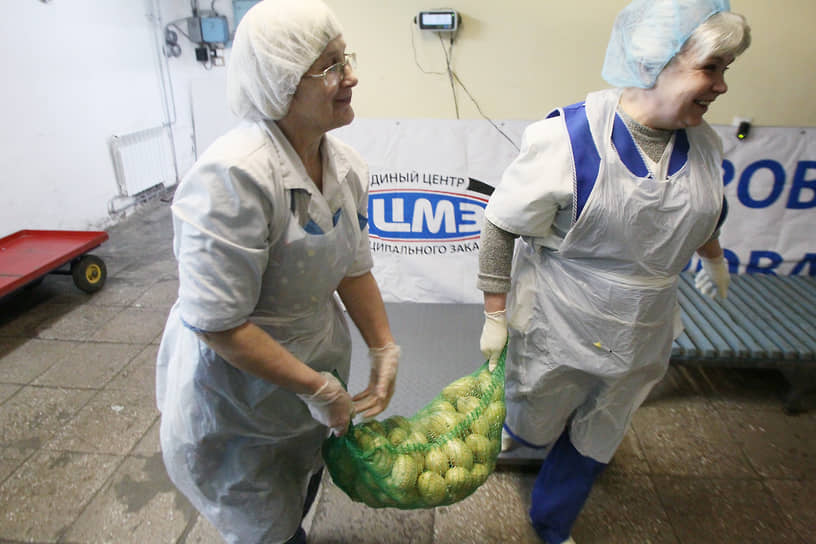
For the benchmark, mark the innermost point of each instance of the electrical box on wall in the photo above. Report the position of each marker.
(438, 20)
(212, 29)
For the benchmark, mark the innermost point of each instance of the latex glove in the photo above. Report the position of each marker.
(384, 364)
(330, 405)
(713, 278)
(494, 337)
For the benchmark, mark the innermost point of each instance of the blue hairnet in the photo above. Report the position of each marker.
(647, 34)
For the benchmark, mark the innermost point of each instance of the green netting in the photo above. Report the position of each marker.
(437, 457)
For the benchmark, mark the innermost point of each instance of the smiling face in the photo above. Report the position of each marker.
(317, 106)
(685, 89)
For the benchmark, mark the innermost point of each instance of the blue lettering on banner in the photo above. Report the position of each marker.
(764, 262)
(732, 260)
(800, 183)
(745, 180)
(728, 171)
(421, 215)
(802, 194)
(809, 261)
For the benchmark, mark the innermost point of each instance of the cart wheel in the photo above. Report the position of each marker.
(89, 273)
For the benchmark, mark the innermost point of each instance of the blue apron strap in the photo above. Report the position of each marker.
(585, 156)
(630, 156)
(679, 153)
(627, 149)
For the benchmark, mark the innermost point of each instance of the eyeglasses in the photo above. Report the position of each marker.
(337, 71)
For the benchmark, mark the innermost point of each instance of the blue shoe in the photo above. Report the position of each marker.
(298, 538)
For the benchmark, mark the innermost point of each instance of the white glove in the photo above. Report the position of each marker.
(494, 337)
(713, 278)
(384, 364)
(330, 405)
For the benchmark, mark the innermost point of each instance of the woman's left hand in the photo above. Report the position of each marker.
(713, 278)
(375, 398)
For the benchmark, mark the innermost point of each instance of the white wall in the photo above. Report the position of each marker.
(198, 90)
(78, 71)
(74, 73)
(521, 58)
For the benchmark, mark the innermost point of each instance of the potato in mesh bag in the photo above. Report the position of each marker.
(436, 457)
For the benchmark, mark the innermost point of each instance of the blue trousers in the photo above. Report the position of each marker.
(311, 493)
(561, 489)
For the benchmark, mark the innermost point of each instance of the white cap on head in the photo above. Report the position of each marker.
(647, 34)
(275, 43)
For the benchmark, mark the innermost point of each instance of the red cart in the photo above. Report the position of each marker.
(28, 255)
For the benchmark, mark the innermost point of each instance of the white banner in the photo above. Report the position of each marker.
(770, 185)
(431, 179)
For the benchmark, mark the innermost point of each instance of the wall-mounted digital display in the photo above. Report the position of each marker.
(440, 20)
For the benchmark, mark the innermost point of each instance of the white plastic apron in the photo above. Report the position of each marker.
(592, 323)
(241, 448)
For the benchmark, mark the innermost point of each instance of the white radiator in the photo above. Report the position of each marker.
(142, 160)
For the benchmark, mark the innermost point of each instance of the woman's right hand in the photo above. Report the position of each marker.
(330, 405)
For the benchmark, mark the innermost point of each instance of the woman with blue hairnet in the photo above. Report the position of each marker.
(269, 224)
(611, 198)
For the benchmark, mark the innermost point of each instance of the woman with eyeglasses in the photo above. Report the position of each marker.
(612, 197)
(269, 224)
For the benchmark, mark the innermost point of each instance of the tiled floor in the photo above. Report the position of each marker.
(711, 457)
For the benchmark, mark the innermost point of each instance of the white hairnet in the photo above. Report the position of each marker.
(647, 34)
(275, 43)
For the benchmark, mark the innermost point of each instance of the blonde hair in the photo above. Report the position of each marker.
(723, 34)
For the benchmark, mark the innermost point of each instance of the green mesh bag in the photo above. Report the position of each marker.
(439, 456)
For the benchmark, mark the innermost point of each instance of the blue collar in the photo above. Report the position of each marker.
(629, 154)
